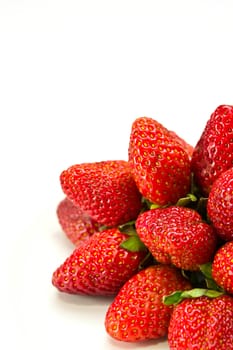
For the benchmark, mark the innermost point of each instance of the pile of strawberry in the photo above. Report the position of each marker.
(155, 232)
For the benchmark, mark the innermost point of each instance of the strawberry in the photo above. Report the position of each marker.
(100, 266)
(138, 313)
(222, 267)
(220, 204)
(105, 190)
(202, 323)
(213, 153)
(76, 224)
(177, 235)
(186, 146)
(160, 162)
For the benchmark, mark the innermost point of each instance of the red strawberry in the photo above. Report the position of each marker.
(138, 312)
(202, 323)
(222, 267)
(186, 146)
(213, 153)
(76, 224)
(100, 266)
(105, 190)
(160, 163)
(220, 205)
(177, 235)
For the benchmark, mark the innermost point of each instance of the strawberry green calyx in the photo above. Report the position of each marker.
(185, 201)
(133, 244)
(155, 206)
(176, 297)
(149, 205)
(206, 269)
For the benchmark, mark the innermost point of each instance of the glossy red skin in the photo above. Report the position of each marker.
(177, 235)
(160, 162)
(186, 146)
(77, 225)
(202, 323)
(213, 153)
(138, 312)
(220, 205)
(105, 190)
(99, 266)
(222, 267)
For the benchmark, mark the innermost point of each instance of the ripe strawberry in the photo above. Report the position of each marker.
(186, 146)
(222, 267)
(202, 323)
(220, 204)
(100, 266)
(76, 224)
(138, 312)
(213, 153)
(105, 190)
(160, 162)
(177, 235)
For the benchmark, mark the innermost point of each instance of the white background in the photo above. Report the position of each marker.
(73, 77)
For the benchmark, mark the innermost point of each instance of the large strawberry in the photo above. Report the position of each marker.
(222, 267)
(105, 190)
(75, 223)
(138, 312)
(100, 266)
(220, 205)
(213, 153)
(177, 235)
(160, 162)
(202, 323)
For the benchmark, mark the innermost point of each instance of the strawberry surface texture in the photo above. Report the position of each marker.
(202, 323)
(177, 235)
(222, 267)
(98, 267)
(138, 312)
(105, 190)
(213, 153)
(160, 161)
(220, 204)
(76, 224)
(154, 233)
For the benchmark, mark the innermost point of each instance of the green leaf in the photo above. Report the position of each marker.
(173, 299)
(183, 202)
(206, 269)
(178, 296)
(199, 292)
(155, 206)
(133, 244)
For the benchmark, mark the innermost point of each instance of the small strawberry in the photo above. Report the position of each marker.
(138, 312)
(202, 323)
(100, 266)
(76, 224)
(177, 235)
(213, 153)
(220, 205)
(105, 190)
(222, 267)
(160, 162)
